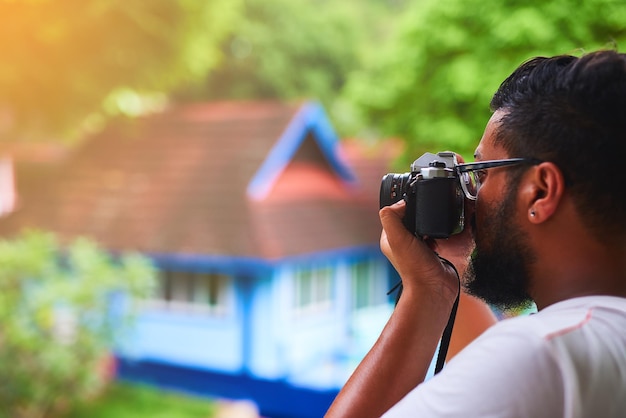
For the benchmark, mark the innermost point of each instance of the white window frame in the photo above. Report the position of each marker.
(182, 292)
(366, 274)
(313, 289)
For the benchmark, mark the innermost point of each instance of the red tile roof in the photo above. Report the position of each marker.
(176, 182)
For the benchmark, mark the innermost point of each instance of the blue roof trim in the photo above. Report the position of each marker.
(309, 118)
(252, 266)
(330, 256)
(212, 263)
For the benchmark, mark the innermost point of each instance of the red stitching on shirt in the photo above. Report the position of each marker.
(572, 328)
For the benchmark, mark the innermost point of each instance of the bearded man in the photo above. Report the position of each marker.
(549, 227)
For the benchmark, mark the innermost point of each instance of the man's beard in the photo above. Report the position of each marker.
(498, 269)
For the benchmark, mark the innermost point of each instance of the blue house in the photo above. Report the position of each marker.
(264, 228)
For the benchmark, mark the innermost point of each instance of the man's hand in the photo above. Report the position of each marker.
(419, 267)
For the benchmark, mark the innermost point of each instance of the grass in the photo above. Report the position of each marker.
(123, 400)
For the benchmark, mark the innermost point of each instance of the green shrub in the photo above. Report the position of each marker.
(61, 309)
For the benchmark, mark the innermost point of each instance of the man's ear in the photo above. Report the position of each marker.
(542, 191)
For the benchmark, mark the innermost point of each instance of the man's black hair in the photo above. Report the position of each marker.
(572, 111)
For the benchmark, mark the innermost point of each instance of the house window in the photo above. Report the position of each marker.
(313, 289)
(7, 186)
(203, 293)
(368, 287)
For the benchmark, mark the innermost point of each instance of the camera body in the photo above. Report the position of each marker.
(432, 191)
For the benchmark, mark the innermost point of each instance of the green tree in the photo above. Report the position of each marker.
(433, 87)
(64, 62)
(286, 49)
(61, 309)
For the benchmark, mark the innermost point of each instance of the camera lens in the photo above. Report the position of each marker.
(393, 188)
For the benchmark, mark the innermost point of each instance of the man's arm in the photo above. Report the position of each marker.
(400, 358)
(473, 317)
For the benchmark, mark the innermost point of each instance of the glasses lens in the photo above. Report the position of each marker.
(469, 179)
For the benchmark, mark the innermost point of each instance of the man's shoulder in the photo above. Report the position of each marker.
(569, 355)
(542, 344)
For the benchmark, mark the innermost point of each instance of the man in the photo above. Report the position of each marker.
(549, 226)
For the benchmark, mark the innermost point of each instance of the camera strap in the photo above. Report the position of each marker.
(447, 332)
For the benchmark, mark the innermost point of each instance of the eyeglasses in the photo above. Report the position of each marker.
(470, 175)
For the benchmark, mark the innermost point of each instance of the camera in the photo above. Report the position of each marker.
(433, 194)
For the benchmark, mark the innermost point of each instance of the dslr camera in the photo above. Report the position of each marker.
(433, 194)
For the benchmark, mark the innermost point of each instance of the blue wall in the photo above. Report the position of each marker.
(204, 342)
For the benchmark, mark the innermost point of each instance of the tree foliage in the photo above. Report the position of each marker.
(286, 49)
(433, 87)
(61, 310)
(61, 60)
(68, 65)
(283, 48)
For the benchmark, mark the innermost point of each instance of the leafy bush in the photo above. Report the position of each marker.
(60, 310)
(433, 87)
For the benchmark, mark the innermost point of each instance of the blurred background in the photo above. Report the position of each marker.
(189, 189)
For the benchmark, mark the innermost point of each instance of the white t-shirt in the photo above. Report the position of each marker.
(568, 360)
